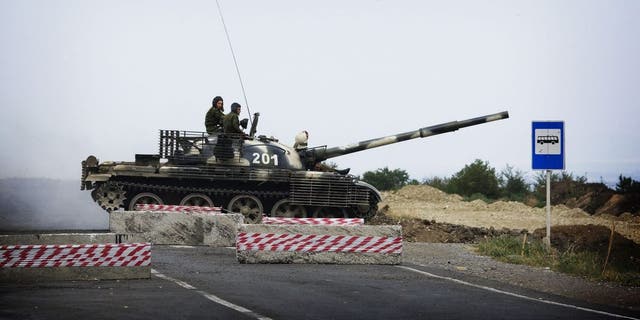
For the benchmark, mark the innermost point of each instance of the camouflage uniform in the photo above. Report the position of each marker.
(214, 120)
(231, 124)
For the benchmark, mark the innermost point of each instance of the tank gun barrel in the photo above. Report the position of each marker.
(316, 155)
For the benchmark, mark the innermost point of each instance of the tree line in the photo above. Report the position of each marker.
(479, 180)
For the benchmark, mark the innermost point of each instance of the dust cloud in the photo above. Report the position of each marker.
(46, 204)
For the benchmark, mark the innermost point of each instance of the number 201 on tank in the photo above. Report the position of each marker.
(265, 159)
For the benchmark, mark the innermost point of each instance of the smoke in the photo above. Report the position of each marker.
(46, 204)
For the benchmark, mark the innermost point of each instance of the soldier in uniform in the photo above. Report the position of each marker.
(214, 119)
(231, 124)
(301, 140)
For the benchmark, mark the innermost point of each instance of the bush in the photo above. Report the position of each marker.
(437, 182)
(513, 185)
(631, 190)
(564, 185)
(385, 179)
(477, 177)
(627, 185)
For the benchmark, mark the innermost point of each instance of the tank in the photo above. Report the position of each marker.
(251, 174)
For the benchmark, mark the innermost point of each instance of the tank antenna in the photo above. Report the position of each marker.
(233, 54)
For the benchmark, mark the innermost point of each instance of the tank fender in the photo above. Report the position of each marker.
(371, 188)
(98, 177)
(134, 168)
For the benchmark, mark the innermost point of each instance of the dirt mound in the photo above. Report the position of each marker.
(585, 237)
(586, 196)
(592, 238)
(419, 230)
(422, 193)
(594, 198)
(620, 204)
(423, 202)
(613, 205)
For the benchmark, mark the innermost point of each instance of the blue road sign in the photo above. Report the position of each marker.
(547, 145)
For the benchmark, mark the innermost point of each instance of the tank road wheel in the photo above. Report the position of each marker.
(285, 209)
(330, 212)
(144, 198)
(196, 199)
(110, 196)
(249, 206)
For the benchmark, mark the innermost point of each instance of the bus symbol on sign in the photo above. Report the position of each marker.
(548, 141)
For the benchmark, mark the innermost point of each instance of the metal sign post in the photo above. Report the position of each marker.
(547, 144)
(548, 238)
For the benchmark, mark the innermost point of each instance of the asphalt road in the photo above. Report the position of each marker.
(208, 283)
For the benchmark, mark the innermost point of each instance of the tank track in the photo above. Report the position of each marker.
(264, 196)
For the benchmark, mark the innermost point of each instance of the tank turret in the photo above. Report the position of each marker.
(250, 174)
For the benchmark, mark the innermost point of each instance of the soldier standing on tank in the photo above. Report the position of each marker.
(231, 124)
(214, 119)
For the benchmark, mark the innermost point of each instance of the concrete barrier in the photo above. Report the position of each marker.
(314, 221)
(47, 237)
(33, 263)
(177, 228)
(319, 244)
(175, 208)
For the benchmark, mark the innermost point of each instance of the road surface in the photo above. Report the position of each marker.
(208, 283)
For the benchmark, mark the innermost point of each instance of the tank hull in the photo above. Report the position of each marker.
(253, 192)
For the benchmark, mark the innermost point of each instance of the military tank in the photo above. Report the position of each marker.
(251, 174)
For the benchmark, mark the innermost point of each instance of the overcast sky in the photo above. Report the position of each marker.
(102, 77)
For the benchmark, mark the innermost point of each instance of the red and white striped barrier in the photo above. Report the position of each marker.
(317, 243)
(77, 255)
(175, 208)
(315, 221)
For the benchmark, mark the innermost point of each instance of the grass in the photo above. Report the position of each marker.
(581, 263)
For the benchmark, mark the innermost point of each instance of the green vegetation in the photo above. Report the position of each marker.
(631, 190)
(584, 263)
(477, 177)
(479, 180)
(385, 179)
(509, 249)
(513, 184)
(627, 185)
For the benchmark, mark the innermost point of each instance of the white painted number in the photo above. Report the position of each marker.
(264, 158)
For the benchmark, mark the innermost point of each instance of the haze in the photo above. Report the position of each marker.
(102, 77)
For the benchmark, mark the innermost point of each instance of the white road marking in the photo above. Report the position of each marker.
(181, 246)
(211, 297)
(515, 294)
(176, 281)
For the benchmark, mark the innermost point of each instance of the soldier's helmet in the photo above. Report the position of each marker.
(235, 106)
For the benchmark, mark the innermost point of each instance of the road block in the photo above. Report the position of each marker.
(314, 221)
(20, 263)
(50, 237)
(175, 208)
(175, 227)
(319, 244)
